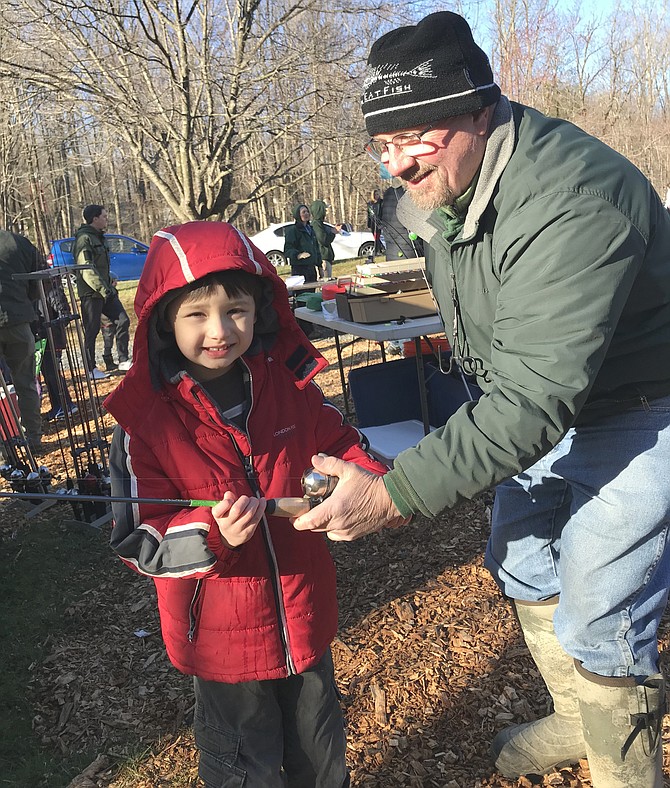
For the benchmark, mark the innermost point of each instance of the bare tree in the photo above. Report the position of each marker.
(183, 85)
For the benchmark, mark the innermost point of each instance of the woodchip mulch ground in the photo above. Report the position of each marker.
(429, 660)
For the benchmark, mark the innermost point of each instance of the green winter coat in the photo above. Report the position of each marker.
(324, 235)
(562, 273)
(299, 239)
(90, 249)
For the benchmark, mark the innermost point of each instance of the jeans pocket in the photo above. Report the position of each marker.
(219, 751)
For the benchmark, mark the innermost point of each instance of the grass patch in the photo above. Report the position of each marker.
(44, 568)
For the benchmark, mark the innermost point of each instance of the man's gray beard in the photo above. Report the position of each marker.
(436, 198)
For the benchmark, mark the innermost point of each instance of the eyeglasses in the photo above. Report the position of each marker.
(409, 144)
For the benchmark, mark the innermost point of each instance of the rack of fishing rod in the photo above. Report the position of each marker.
(79, 429)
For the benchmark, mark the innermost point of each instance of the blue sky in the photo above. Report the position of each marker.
(597, 5)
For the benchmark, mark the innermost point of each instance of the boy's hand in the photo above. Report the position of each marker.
(238, 518)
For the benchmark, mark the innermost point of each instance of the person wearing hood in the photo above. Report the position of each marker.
(301, 246)
(229, 412)
(95, 290)
(324, 235)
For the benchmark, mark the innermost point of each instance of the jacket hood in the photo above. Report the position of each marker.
(181, 254)
(296, 211)
(318, 210)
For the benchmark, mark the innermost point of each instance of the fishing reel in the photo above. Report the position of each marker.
(317, 486)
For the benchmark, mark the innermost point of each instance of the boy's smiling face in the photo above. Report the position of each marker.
(212, 331)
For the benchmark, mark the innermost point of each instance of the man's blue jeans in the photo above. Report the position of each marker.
(590, 522)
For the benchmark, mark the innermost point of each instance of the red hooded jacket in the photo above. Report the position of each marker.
(267, 609)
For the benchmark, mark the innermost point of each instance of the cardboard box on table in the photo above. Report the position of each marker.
(391, 297)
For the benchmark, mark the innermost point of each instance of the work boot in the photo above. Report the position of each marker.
(556, 740)
(621, 719)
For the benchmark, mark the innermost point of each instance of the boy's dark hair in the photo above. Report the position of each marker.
(91, 212)
(232, 281)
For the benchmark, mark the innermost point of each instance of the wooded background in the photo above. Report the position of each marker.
(173, 110)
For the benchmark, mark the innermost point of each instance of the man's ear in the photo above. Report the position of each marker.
(482, 118)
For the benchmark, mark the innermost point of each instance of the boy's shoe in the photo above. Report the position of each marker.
(97, 374)
(52, 414)
(110, 365)
(124, 366)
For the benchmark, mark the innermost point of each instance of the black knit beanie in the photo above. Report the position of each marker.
(424, 73)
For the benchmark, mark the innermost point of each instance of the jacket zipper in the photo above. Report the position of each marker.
(250, 473)
(276, 585)
(248, 463)
(192, 615)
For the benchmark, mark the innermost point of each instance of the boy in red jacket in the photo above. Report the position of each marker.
(219, 404)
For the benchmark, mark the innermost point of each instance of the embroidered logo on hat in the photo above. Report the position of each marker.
(393, 74)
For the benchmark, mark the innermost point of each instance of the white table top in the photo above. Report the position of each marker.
(411, 328)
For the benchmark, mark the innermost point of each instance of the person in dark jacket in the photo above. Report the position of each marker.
(398, 241)
(229, 412)
(49, 328)
(94, 287)
(301, 246)
(374, 219)
(324, 236)
(17, 341)
(548, 255)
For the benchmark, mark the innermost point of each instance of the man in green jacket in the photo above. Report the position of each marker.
(549, 257)
(94, 287)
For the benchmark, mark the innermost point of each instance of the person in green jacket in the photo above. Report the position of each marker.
(95, 290)
(324, 236)
(549, 258)
(301, 246)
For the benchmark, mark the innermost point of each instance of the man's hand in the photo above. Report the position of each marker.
(238, 518)
(304, 255)
(358, 506)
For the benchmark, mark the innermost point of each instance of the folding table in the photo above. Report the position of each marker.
(414, 328)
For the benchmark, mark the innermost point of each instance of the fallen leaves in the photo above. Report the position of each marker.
(428, 657)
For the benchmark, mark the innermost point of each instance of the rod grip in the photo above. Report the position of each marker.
(287, 507)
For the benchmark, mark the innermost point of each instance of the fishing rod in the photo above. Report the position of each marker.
(316, 486)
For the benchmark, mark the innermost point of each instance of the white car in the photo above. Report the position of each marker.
(346, 245)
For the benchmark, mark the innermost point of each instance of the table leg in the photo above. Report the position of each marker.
(423, 396)
(343, 382)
